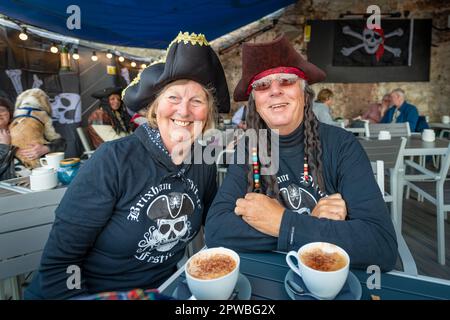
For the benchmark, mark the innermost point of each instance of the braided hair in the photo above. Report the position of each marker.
(313, 147)
(116, 124)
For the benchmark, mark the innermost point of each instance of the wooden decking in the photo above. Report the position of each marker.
(419, 231)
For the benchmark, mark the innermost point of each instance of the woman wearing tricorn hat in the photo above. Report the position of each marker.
(111, 120)
(324, 189)
(129, 214)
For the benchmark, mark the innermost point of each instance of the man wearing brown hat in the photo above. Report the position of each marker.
(324, 189)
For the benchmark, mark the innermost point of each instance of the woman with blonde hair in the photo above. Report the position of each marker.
(129, 214)
(322, 107)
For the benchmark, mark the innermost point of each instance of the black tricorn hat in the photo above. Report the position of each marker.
(258, 57)
(105, 93)
(189, 56)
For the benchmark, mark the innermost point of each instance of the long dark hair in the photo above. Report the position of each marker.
(313, 147)
(6, 103)
(118, 127)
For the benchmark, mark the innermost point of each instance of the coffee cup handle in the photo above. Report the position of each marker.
(41, 160)
(293, 266)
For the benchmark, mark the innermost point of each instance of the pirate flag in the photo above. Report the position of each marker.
(386, 45)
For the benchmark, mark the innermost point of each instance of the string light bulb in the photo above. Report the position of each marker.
(121, 59)
(23, 34)
(133, 64)
(54, 48)
(75, 54)
(94, 56)
(109, 54)
(143, 66)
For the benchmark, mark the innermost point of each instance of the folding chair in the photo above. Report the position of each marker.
(409, 265)
(432, 186)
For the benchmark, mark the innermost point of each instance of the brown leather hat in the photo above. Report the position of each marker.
(258, 57)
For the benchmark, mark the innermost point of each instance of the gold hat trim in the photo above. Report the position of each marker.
(185, 37)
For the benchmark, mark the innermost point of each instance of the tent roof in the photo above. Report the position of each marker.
(139, 23)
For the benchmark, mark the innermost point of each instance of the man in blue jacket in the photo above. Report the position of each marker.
(401, 111)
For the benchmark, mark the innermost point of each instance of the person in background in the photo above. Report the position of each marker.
(401, 111)
(323, 188)
(111, 120)
(9, 163)
(376, 111)
(239, 117)
(126, 219)
(7, 151)
(322, 107)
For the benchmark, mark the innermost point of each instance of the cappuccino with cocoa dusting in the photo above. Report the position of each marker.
(318, 259)
(211, 266)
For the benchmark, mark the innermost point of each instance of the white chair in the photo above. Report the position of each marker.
(222, 159)
(444, 133)
(360, 131)
(395, 129)
(436, 159)
(409, 265)
(88, 150)
(432, 186)
(391, 153)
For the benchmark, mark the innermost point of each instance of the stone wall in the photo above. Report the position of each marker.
(432, 98)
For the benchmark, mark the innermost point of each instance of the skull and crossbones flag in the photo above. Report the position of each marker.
(387, 45)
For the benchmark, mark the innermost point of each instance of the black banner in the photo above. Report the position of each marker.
(356, 45)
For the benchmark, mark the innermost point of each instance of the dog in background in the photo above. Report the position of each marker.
(32, 123)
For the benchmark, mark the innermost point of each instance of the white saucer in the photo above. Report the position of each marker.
(352, 289)
(243, 287)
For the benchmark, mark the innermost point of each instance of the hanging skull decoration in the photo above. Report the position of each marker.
(66, 108)
(15, 76)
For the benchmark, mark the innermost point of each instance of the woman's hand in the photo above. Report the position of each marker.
(331, 207)
(35, 151)
(261, 212)
(5, 136)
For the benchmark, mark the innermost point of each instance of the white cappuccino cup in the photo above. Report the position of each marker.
(43, 178)
(428, 135)
(384, 135)
(52, 159)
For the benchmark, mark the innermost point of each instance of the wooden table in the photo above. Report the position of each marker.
(266, 273)
(439, 125)
(415, 146)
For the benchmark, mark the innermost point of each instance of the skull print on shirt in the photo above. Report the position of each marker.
(169, 214)
(296, 196)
